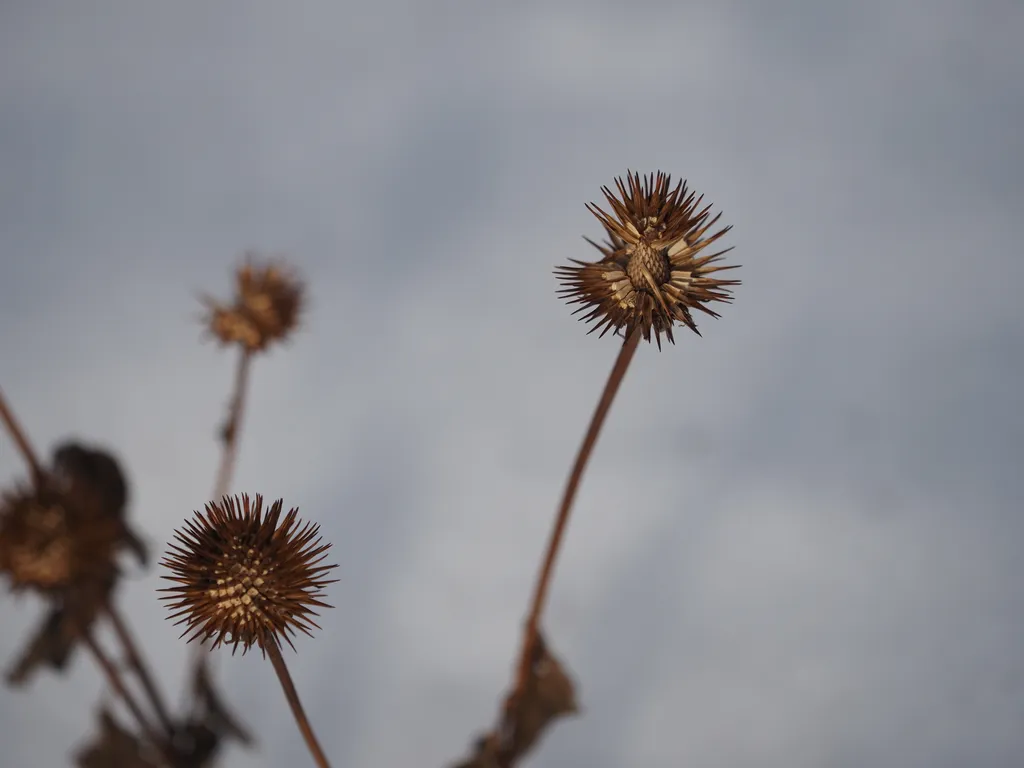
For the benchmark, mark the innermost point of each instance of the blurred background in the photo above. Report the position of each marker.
(798, 543)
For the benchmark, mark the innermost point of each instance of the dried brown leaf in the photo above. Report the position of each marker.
(211, 710)
(54, 641)
(549, 693)
(115, 747)
(485, 754)
(194, 746)
(50, 646)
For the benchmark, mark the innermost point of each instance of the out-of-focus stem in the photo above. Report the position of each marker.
(233, 426)
(114, 679)
(20, 439)
(138, 666)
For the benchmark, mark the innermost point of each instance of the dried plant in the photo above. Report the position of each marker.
(249, 579)
(650, 276)
(244, 577)
(266, 307)
(247, 575)
(653, 271)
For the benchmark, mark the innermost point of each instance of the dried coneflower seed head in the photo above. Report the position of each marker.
(244, 577)
(48, 542)
(653, 271)
(266, 308)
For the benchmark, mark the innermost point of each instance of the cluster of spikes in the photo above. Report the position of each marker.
(266, 308)
(246, 578)
(653, 272)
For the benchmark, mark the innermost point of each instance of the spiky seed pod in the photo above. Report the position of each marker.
(50, 543)
(268, 300)
(652, 272)
(246, 578)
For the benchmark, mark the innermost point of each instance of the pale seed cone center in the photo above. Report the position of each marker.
(242, 591)
(652, 260)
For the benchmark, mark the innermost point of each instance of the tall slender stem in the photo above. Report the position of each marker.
(138, 665)
(231, 431)
(547, 568)
(233, 426)
(274, 651)
(115, 681)
(21, 440)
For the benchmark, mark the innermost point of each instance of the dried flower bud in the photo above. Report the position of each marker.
(266, 308)
(243, 578)
(651, 274)
(49, 542)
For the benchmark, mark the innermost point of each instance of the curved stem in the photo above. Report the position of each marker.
(137, 664)
(232, 427)
(274, 651)
(543, 583)
(20, 439)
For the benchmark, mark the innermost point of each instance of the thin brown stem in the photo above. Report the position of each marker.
(543, 582)
(274, 651)
(230, 432)
(233, 426)
(115, 681)
(20, 439)
(138, 665)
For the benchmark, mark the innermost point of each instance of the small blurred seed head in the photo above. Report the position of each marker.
(246, 578)
(652, 273)
(50, 543)
(267, 303)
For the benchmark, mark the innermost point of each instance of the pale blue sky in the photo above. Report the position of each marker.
(798, 543)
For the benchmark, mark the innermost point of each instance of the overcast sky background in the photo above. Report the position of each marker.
(799, 541)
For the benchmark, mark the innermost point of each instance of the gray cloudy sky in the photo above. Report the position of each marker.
(798, 542)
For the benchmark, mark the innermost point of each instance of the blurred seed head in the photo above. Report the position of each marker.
(268, 300)
(652, 272)
(93, 478)
(93, 475)
(244, 577)
(49, 542)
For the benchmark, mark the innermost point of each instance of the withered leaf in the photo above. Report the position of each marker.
(115, 748)
(194, 746)
(54, 642)
(51, 646)
(209, 709)
(548, 694)
(485, 753)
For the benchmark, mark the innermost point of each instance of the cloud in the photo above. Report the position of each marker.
(794, 544)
